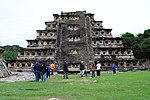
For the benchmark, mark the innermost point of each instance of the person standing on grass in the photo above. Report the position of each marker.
(37, 71)
(48, 71)
(43, 72)
(85, 71)
(32, 69)
(98, 68)
(65, 69)
(52, 68)
(114, 67)
(82, 69)
(93, 68)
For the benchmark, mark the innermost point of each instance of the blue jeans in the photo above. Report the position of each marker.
(37, 76)
(44, 77)
(48, 74)
(93, 73)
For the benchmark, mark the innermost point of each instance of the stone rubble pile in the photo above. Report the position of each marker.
(19, 76)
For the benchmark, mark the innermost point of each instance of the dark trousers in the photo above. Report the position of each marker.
(66, 74)
(48, 74)
(52, 72)
(98, 72)
(114, 71)
(85, 72)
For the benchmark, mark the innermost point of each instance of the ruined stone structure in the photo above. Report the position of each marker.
(75, 37)
(4, 72)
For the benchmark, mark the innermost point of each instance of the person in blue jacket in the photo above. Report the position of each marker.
(48, 70)
(114, 67)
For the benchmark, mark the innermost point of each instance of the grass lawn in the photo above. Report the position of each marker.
(123, 86)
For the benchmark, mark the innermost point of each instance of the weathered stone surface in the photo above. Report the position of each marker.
(4, 72)
(19, 76)
(75, 37)
(1, 74)
(147, 64)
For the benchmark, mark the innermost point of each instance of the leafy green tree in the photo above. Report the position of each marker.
(10, 55)
(1, 49)
(128, 40)
(145, 48)
(140, 44)
(146, 33)
(11, 52)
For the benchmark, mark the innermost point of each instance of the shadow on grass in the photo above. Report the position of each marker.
(32, 89)
(31, 81)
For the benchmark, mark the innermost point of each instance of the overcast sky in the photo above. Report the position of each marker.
(19, 19)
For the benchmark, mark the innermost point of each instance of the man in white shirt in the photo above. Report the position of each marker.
(98, 67)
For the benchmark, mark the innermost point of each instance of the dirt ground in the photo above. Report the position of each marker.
(19, 76)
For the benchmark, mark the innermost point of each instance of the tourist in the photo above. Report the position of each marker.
(85, 70)
(114, 67)
(93, 68)
(52, 68)
(37, 70)
(48, 71)
(43, 72)
(82, 69)
(98, 68)
(32, 67)
(65, 70)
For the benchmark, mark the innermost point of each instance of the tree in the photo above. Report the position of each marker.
(140, 44)
(10, 52)
(145, 48)
(146, 33)
(128, 40)
(1, 50)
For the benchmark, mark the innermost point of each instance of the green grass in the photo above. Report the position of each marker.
(123, 86)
